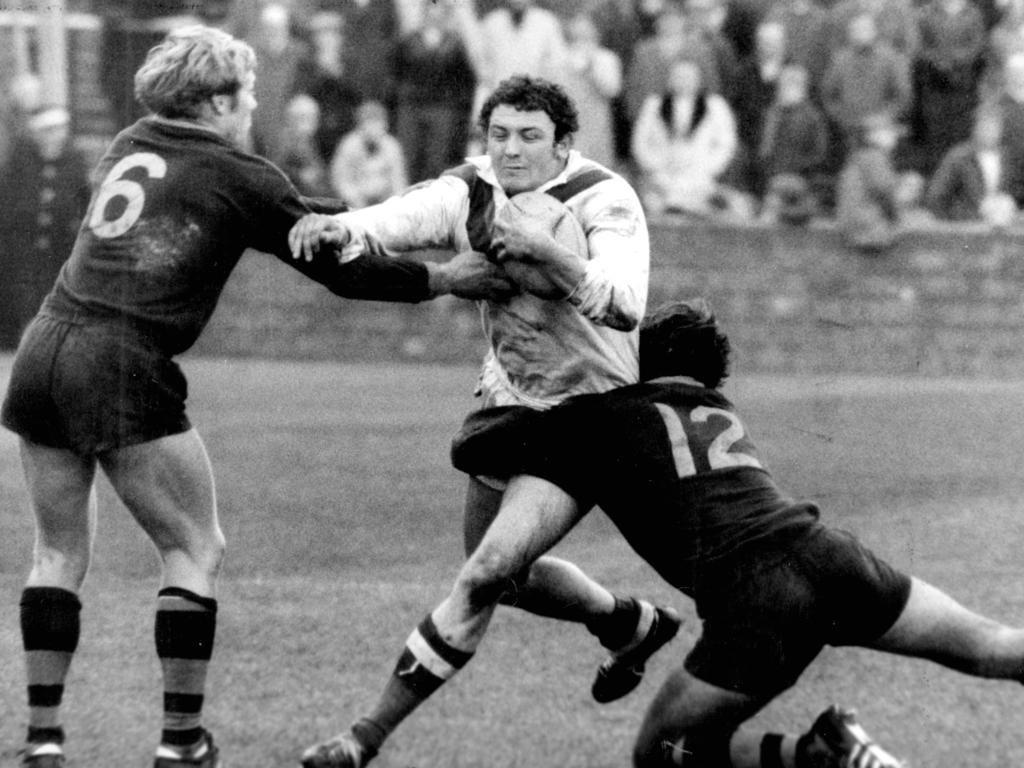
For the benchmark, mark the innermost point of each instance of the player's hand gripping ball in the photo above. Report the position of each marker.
(529, 221)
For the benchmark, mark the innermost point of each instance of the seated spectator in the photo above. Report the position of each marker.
(683, 142)
(865, 78)
(806, 26)
(435, 85)
(324, 76)
(867, 197)
(593, 78)
(369, 166)
(947, 73)
(795, 136)
(299, 155)
(971, 181)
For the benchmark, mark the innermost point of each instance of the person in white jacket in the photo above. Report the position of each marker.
(683, 142)
(542, 351)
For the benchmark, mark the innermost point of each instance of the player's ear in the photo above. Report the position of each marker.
(221, 104)
(562, 146)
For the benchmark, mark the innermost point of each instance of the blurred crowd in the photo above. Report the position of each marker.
(874, 113)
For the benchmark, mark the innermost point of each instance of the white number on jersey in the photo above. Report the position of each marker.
(719, 450)
(114, 186)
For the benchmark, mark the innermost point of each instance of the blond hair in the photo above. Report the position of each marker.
(190, 66)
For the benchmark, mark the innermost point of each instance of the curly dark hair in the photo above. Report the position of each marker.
(681, 338)
(529, 94)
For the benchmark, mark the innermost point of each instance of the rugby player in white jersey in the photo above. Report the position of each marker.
(542, 351)
(94, 383)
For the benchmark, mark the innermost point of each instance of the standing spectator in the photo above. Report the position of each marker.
(795, 137)
(593, 78)
(299, 156)
(947, 73)
(648, 73)
(971, 182)
(369, 166)
(324, 76)
(44, 190)
(1011, 101)
(435, 84)
(518, 37)
(372, 30)
(684, 140)
(279, 55)
(807, 32)
(706, 18)
(867, 208)
(865, 78)
(755, 90)
(895, 20)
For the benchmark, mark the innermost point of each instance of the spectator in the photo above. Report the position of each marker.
(518, 37)
(895, 20)
(44, 191)
(648, 73)
(865, 78)
(23, 96)
(1011, 102)
(1007, 37)
(795, 137)
(279, 55)
(683, 141)
(971, 183)
(947, 74)
(867, 208)
(435, 84)
(323, 75)
(372, 30)
(706, 18)
(807, 36)
(755, 90)
(300, 157)
(593, 78)
(369, 166)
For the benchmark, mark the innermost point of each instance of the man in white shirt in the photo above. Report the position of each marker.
(542, 351)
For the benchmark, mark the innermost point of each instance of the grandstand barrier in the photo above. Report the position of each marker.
(945, 302)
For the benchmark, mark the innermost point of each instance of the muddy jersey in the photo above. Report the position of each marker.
(669, 461)
(175, 207)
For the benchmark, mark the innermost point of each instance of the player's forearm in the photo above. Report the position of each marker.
(369, 277)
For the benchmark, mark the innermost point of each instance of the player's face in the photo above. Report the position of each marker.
(523, 149)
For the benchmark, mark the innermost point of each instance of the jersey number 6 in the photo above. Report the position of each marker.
(134, 196)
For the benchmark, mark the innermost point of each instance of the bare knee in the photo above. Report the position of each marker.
(60, 566)
(488, 575)
(201, 553)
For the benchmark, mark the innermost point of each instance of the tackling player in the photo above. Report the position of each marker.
(670, 462)
(541, 352)
(94, 384)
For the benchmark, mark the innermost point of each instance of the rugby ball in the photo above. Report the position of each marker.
(555, 219)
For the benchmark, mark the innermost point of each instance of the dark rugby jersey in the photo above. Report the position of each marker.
(174, 209)
(669, 461)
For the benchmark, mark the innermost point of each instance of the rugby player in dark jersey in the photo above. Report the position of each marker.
(94, 383)
(670, 462)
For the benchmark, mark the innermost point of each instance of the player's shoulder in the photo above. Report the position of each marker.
(594, 190)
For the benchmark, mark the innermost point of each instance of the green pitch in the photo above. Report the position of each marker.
(343, 521)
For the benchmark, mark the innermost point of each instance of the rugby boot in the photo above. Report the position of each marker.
(837, 740)
(623, 670)
(344, 751)
(204, 755)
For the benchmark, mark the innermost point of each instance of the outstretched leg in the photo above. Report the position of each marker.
(167, 485)
(934, 626)
(60, 486)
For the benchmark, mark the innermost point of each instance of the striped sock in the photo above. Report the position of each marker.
(427, 661)
(50, 628)
(185, 628)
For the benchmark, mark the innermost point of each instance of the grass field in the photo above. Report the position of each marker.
(343, 522)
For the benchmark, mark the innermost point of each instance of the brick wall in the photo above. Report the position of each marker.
(945, 302)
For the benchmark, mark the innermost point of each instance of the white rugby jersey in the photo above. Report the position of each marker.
(541, 352)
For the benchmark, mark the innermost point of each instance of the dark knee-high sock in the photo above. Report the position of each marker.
(186, 624)
(50, 628)
(425, 664)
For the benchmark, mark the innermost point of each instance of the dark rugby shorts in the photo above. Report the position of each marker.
(768, 615)
(92, 388)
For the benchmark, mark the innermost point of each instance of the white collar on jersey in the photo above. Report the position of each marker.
(485, 171)
(676, 380)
